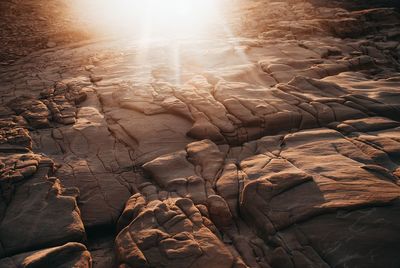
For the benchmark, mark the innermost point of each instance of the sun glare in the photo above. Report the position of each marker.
(174, 35)
(149, 19)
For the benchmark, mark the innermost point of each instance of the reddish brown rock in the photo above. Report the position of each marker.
(274, 145)
(171, 233)
(68, 255)
(36, 211)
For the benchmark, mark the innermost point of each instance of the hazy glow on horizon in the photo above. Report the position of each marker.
(148, 19)
(167, 32)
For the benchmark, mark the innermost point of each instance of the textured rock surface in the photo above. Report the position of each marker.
(169, 233)
(276, 145)
(36, 210)
(68, 255)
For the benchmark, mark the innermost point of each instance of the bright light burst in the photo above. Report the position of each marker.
(148, 19)
(178, 35)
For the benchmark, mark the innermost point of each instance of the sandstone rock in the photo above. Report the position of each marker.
(169, 167)
(219, 212)
(208, 157)
(171, 234)
(38, 211)
(14, 139)
(235, 151)
(68, 255)
(331, 188)
(34, 111)
(99, 167)
(51, 44)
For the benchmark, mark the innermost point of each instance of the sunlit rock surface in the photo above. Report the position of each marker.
(274, 143)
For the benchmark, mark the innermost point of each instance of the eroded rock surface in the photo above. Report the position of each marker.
(276, 148)
(36, 210)
(68, 255)
(169, 233)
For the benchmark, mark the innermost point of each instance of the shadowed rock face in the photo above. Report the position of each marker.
(359, 4)
(69, 255)
(278, 148)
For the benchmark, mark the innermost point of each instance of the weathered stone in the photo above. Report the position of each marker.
(171, 234)
(38, 212)
(68, 255)
(274, 143)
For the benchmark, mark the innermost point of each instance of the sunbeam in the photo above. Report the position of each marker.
(150, 19)
(173, 35)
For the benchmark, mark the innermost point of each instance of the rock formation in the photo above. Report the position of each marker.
(277, 148)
